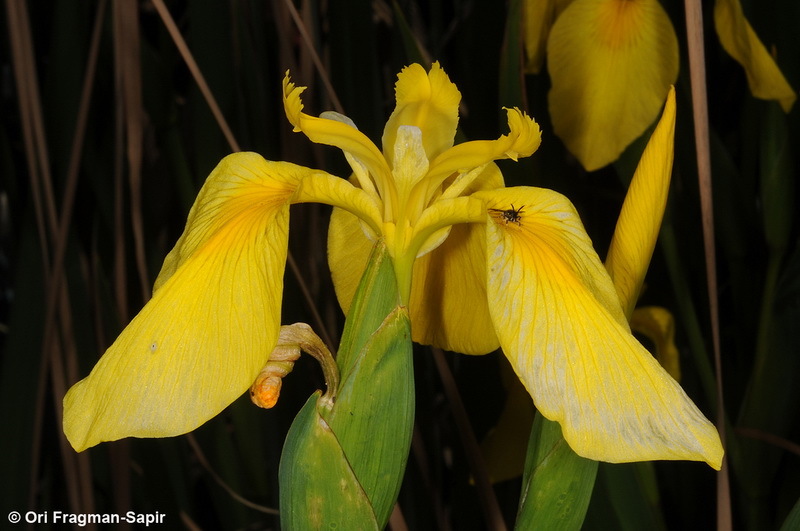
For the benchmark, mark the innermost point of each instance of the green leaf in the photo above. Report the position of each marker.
(375, 297)
(632, 494)
(792, 521)
(318, 487)
(376, 404)
(353, 453)
(557, 484)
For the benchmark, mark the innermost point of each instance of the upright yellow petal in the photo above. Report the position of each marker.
(429, 101)
(213, 320)
(738, 39)
(640, 219)
(561, 326)
(611, 63)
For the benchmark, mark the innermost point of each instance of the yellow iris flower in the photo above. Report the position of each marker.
(478, 265)
(611, 63)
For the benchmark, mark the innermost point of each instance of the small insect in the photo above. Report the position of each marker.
(511, 215)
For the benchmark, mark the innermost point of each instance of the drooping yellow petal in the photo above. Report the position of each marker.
(611, 63)
(560, 324)
(212, 322)
(658, 325)
(448, 295)
(429, 101)
(640, 219)
(738, 39)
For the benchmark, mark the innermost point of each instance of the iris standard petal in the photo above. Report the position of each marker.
(737, 37)
(640, 219)
(427, 100)
(558, 320)
(210, 327)
(611, 63)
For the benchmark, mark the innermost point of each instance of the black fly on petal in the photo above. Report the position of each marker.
(510, 215)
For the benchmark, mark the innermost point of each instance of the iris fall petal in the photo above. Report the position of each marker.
(561, 325)
(212, 322)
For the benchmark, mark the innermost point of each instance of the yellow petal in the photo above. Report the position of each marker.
(448, 295)
(538, 17)
(658, 325)
(447, 305)
(522, 140)
(324, 188)
(202, 339)
(429, 101)
(335, 133)
(640, 219)
(738, 39)
(611, 63)
(558, 320)
(348, 251)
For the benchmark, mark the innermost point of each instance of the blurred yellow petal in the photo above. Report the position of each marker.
(429, 101)
(557, 316)
(738, 39)
(202, 339)
(640, 219)
(611, 63)
(538, 17)
(658, 325)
